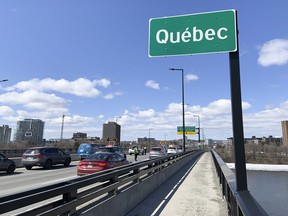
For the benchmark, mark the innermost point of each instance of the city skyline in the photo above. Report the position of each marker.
(89, 62)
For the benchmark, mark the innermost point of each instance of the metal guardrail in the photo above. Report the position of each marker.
(240, 203)
(71, 197)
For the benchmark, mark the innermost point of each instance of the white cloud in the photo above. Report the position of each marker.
(112, 95)
(79, 87)
(108, 96)
(147, 113)
(6, 110)
(191, 77)
(152, 84)
(33, 99)
(274, 52)
(222, 106)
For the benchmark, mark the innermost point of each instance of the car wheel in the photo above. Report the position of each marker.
(28, 167)
(130, 153)
(67, 162)
(10, 169)
(48, 164)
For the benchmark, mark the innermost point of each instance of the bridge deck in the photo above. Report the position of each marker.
(194, 192)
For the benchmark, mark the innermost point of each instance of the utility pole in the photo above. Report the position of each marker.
(62, 127)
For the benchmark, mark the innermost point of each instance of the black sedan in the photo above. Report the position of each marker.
(6, 164)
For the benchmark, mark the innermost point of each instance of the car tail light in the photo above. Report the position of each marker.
(40, 156)
(102, 164)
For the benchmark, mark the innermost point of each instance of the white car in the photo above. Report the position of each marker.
(171, 150)
(179, 149)
(131, 150)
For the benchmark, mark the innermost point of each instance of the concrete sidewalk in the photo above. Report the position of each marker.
(200, 193)
(193, 191)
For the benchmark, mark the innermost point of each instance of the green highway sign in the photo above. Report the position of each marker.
(189, 130)
(210, 32)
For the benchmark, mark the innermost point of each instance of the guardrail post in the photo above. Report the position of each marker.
(113, 180)
(136, 171)
(68, 197)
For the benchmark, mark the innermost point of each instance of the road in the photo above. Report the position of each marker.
(22, 179)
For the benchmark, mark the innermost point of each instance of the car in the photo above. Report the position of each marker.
(180, 149)
(159, 151)
(45, 157)
(171, 150)
(100, 161)
(6, 164)
(86, 149)
(131, 150)
(113, 149)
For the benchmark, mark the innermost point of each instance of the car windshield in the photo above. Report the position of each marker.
(156, 149)
(32, 151)
(84, 146)
(172, 148)
(105, 150)
(98, 156)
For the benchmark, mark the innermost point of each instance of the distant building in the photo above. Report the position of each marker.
(30, 130)
(284, 125)
(5, 134)
(145, 140)
(111, 132)
(79, 135)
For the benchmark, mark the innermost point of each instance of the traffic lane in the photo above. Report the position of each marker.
(22, 179)
(140, 158)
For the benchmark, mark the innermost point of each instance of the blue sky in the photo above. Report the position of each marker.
(89, 61)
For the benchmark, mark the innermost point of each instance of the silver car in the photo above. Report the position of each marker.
(45, 157)
(158, 151)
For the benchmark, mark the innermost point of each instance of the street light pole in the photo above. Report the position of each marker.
(199, 139)
(62, 127)
(149, 138)
(183, 112)
(117, 118)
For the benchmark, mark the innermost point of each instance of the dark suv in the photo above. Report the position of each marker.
(6, 164)
(45, 157)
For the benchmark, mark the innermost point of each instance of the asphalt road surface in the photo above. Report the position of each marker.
(22, 179)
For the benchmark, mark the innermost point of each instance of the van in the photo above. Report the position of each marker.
(86, 149)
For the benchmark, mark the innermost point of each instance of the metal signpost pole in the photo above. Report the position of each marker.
(237, 119)
(183, 111)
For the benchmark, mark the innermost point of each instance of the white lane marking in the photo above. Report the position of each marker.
(59, 180)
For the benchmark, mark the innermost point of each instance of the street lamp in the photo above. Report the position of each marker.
(183, 112)
(149, 138)
(117, 118)
(199, 140)
(5, 80)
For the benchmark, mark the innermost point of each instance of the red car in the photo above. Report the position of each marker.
(100, 161)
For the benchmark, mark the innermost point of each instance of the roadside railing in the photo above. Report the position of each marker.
(239, 202)
(99, 191)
